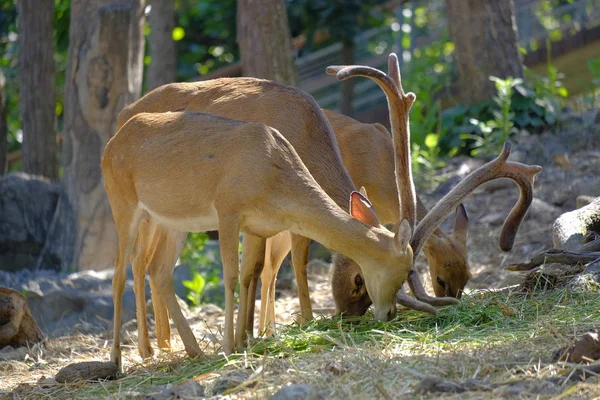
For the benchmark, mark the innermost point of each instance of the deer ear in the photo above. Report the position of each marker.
(362, 209)
(402, 235)
(461, 223)
(363, 191)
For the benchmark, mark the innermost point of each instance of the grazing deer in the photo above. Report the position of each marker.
(298, 118)
(192, 172)
(523, 175)
(368, 156)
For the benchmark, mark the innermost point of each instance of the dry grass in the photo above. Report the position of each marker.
(498, 338)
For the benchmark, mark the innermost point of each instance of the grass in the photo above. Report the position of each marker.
(497, 337)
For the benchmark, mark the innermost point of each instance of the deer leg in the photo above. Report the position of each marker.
(139, 264)
(126, 220)
(279, 248)
(229, 244)
(253, 255)
(265, 279)
(168, 246)
(300, 249)
(161, 317)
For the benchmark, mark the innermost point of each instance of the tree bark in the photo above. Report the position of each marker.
(3, 127)
(36, 71)
(347, 86)
(103, 75)
(486, 44)
(264, 39)
(161, 45)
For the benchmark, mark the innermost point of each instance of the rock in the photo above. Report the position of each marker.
(189, 389)
(298, 392)
(211, 309)
(493, 219)
(585, 350)
(37, 227)
(87, 371)
(543, 212)
(588, 280)
(17, 325)
(229, 382)
(583, 201)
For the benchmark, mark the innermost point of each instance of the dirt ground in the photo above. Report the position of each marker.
(568, 172)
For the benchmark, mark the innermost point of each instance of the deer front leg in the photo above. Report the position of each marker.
(300, 249)
(277, 248)
(229, 243)
(253, 256)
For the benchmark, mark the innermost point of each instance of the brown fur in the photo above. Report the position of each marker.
(255, 181)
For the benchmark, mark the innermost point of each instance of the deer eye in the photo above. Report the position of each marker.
(441, 282)
(358, 281)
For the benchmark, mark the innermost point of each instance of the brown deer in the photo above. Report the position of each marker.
(368, 156)
(238, 176)
(427, 229)
(297, 116)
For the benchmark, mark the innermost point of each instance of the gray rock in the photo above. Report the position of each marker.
(493, 219)
(543, 212)
(189, 389)
(229, 382)
(298, 392)
(87, 371)
(318, 267)
(37, 227)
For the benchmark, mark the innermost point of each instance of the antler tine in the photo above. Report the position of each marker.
(399, 105)
(524, 177)
(394, 72)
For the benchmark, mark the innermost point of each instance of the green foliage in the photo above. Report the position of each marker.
(205, 266)
(497, 130)
(590, 98)
(343, 19)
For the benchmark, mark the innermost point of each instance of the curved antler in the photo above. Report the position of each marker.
(399, 104)
(524, 177)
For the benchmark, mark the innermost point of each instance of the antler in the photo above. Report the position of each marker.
(524, 177)
(399, 104)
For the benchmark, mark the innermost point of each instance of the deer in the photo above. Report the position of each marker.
(239, 176)
(372, 170)
(296, 116)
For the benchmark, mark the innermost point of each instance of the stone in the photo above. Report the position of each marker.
(189, 389)
(17, 325)
(493, 219)
(586, 349)
(543, 212)
(299, 392)
(87, 371)
(318, 267)
(229, 382)
(37, 227)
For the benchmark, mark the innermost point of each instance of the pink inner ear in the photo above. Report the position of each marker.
(362, 209)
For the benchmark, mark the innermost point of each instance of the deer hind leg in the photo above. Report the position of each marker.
(229, 244)
(277, 249)
(139, 265)
(127, 219)
(168, 246)
(300, 249)
(253, 256)
(161, 316)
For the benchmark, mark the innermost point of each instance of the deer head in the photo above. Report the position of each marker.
(399, 105)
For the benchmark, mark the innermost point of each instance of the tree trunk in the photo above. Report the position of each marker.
(3, 127)
(263, 35)
(347, 87)
(103, 75)
(161, 45)
(36, 71)
(485, 38)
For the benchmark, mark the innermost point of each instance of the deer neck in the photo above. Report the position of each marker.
(340, 232)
